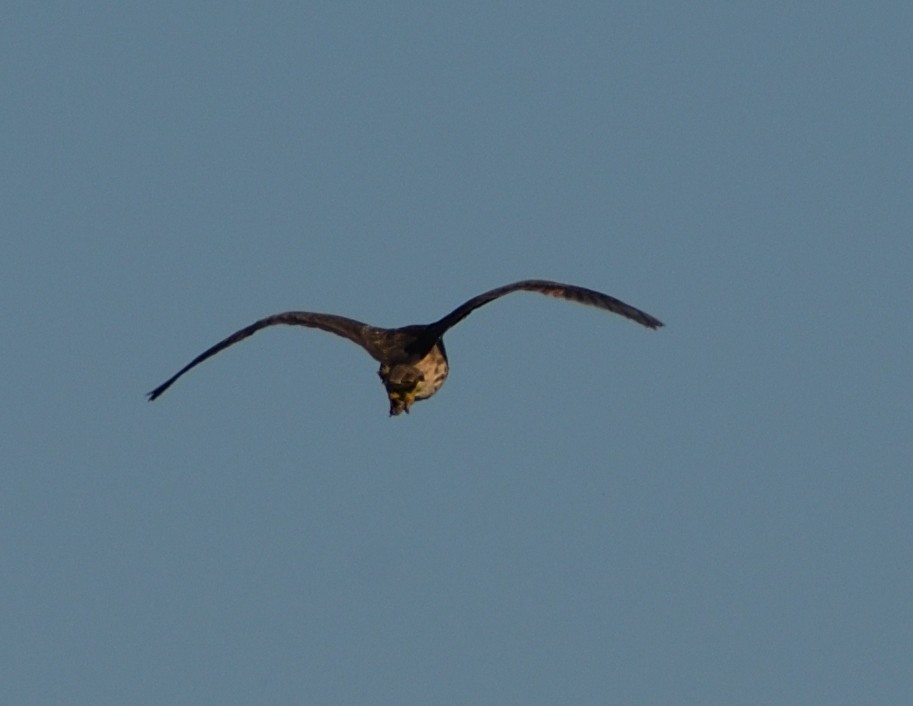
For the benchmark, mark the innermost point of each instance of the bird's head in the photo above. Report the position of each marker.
(401, 382)
(400, 401)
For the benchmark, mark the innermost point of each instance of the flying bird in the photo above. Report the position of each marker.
(413, 361)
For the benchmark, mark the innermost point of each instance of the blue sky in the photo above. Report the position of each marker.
(588, 512)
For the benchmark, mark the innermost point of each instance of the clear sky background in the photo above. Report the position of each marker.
(588, 512)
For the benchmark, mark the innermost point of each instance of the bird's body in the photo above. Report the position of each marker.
(409, 382)
(413, 360)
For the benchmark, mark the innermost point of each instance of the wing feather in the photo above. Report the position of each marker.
(365, 336)
(573, 293)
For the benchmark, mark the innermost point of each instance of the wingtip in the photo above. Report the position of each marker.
(650, 322)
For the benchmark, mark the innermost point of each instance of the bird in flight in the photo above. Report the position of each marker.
(413, 361)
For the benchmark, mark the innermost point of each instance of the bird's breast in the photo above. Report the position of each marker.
(434, 369)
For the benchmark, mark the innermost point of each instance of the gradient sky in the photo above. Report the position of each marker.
(588, 512)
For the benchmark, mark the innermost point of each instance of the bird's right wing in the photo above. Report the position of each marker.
(365, 336)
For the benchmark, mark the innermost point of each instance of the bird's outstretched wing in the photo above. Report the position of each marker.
(581, 295)
(365, 336)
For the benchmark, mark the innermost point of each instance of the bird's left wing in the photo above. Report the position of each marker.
(581, 295)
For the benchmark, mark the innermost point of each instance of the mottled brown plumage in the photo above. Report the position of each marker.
(413, 361)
